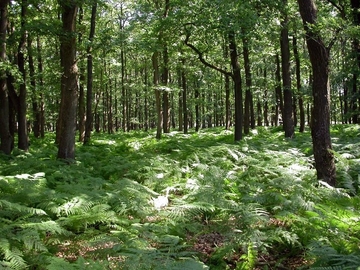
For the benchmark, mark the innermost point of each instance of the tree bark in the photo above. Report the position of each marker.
(41, 84)
(69, 79)
(320, 125)
(155, 62)
(298, 85)
(237, 86)
(5, 135)
(82, 111)
(89, 86)
(286, 77)
(23, 140)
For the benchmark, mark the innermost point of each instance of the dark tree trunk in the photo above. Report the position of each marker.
(286, 77)
(35, 96)
(237, 87)
(23, 140)
(298, 85)
(184, 98)
(41, 84)
(5, 135)
(82, 116)
(165, 95)
(320, 122)
(155, 62)
(69, 79)
(279, 109)
(355, 6)
(227, 102)
(89, 83)
(180, 101)
(248, 86)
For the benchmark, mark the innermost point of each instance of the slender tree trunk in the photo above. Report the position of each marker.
(82, 111)
(279, 109)
(155, 62)
(41, 86)
(320, 123)
(184, 97)
(69, 79)
(165, 95)
(180, 101)
(89, 82)
(237, 87)
(227, 102)
(286, 76)
(298, 85)
(23, 140)
(5, 136)
(35, 96)
(248, 86)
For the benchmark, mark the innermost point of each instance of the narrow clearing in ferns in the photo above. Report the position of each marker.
(251, 205)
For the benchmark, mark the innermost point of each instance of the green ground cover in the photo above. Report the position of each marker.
(251, 205)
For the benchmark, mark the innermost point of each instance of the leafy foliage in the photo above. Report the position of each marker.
(246, 205)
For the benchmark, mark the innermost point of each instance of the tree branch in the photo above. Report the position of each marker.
(201, 57)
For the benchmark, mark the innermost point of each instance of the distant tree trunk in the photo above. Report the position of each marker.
(266, 103)
(184, 97)
(5, 135)
(81, 113)
(248, 98)
(69, 79)
(237, 87)
(180, 101)
(355, 6)
(41, 84)
(23, 140)
(155, 62)
(35, 96)
(286, 76)
(320, 123)
(197, 112)
(227, 102)
(298, 85)
(89, 83)
(279, 106)
(165, 95)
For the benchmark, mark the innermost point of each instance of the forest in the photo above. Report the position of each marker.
(168, 134)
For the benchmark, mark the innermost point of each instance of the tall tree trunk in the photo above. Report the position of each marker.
(35, 96)
(81, 114)
(279, 106)
(286, 76)
(69, 79)
(248, 86)
(155, 62)
(180, 101)
(89, 83)
(184, 97)
(355, 6)
(165, 95)
(320, 127)
(298, 85)
(23, 140)
(227, 102)
(237, 87)
(5, 136)
(41, 84)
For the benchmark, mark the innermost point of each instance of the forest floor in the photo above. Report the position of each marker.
(195, 201)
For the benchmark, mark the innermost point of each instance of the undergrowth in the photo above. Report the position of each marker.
(251, 205)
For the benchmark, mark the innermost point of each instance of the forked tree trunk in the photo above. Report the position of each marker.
(5, 135)
(69, 79)
(320, 123)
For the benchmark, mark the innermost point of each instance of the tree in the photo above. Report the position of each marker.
(286, 75)
(69, 79)
(89, 93)
(320, 124)
(5, 135)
